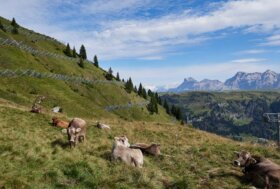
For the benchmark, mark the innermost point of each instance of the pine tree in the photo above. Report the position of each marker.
(118, 77)
(159, 101)
(95, 60)
(152, 106)
(156, 96)
(14, 30)
(83, 52)
(109, 75)
(135, 89)
(81, 62)
(2, 27)
(129, 85)
(140, 90)
(178, 113)
(166, 107)
(173, 110)
(144, 93)
(14, 23)
(67, 51)
(150, 93)
(74, 53)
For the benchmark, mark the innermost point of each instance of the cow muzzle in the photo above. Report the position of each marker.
(236, 163)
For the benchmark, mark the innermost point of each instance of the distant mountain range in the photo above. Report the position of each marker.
(240, 81)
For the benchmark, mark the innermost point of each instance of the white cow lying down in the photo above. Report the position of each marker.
(122, 151)
(102, 126)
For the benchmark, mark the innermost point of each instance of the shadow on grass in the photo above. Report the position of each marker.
(241, 177)
(106, 155)
(59, 142)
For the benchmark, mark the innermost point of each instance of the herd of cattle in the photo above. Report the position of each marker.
(258, 170)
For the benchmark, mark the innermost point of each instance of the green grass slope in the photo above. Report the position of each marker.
(76, 99)
(35, 154)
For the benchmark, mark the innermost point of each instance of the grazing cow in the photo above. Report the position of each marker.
(36, 107)
(59, 123)
(260, 171)
(76, 131)
(102, 126)
(122, 151)
(153, 149)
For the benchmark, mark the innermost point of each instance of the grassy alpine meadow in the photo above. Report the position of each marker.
(34, 154)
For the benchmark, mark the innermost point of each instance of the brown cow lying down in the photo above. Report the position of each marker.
(260, 171)
(122, 151)
(59, 123)
(152, 149)
(76, 131)
(102, 126)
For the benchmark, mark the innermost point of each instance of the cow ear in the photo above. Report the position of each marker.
(78, 130)
(116, 138)
(253, 161)
(236, 153)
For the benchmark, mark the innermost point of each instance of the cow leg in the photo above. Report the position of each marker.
(267, 186)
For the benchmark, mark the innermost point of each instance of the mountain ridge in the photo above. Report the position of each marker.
(268, 80)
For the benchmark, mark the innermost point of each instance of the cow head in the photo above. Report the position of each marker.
(73, 134)
(244, 159)
(155, 148)
(54, 120)
(122, 141)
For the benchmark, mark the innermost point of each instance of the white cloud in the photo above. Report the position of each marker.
(145, 37)
(273, 40)
(113, 6)
(248, 60)
(253, 51)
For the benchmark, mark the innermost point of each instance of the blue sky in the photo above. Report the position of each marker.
(161, 42)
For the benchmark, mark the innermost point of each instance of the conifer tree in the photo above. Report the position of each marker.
(135, 89)
(83, 52)
(159, 100)
(2, 27)
(14, 23)
(173, 110)
(95, 60)
(81, 63)
(118, 77)
(74, 53)
(157, 97)
(144, 93)
(109, 75)
(129, 85)
(152, 106)
(67, 51)
(178, 114)
(150, 93)
(140, 90)
(14, 30)
(166, 107)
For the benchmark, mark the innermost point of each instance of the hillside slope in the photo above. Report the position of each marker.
(30, 51)
(34, 154)
(229, 113)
